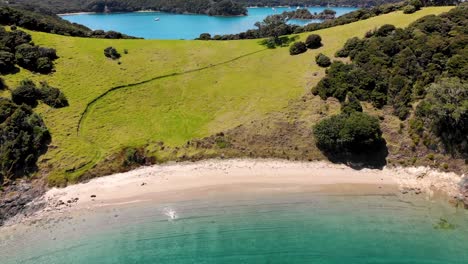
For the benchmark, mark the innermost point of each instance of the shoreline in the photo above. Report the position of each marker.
(187, 180)
(156, 11)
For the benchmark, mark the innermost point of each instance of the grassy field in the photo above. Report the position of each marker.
(179, 90)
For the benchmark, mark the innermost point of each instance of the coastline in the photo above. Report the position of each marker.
(76, 13)
(190, 180)
(156, 11)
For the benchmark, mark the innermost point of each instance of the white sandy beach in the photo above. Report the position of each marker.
(184, 181)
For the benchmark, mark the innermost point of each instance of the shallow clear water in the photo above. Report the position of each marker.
(279, 228)
(179, 26)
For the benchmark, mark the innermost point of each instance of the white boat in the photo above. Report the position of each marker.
(156, 19)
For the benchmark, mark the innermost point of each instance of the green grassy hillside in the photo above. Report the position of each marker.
(177, 90)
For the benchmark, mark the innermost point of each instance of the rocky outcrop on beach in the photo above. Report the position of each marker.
(17, 198)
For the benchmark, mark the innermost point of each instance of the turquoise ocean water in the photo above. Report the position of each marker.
(179, 26)
(279, 228)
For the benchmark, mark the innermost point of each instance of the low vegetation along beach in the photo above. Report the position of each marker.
(351, 131)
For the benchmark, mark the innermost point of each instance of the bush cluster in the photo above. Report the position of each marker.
(297, 48)
(16, 47)
(111, 53)
(354, 133)
(23, 138)
(313, 41)
(322, 60)
(444, 112)
(392, 66)
(27, 93)
(426, 61)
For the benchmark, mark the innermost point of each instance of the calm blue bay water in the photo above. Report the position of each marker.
(175, 26)
(283, 228)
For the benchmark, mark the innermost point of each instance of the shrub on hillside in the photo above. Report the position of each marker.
(3, 85)
(385, 30)
(204, 36)
(52, 96)
(313, 41)
(14, 38)
(393, 66)
(297, 48)
(351, 104)
(34, 58)
(7, 62)
(322, 60)
(409, 9)
(416, 3)
(355, 133)
(112, 53)
(23, 137)
(26, 93)
(133, 156)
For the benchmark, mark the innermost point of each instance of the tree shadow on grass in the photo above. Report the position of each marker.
(370, 158)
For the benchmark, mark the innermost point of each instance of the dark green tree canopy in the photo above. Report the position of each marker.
(356, 132)
(297, 48)
(23, 138)
(392, 66)
(445, 113)
(322, 60)
(313, 41)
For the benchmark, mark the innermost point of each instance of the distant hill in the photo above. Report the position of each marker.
(209, 7)
(48, 22)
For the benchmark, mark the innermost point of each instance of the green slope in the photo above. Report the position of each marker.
(179, 90)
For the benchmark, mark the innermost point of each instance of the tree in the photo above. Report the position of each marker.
(313, 41)
(445, 111)
(204, 36)
(297, 48)
(356, 132)
(23, 138)
(322, 60)
(457, 66)
(274, 26)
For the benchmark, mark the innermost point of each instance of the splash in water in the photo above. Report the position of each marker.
(171, 213)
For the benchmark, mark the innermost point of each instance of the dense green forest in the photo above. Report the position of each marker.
(23, 134)
(48, 22)
(420, 71)
(209, 7)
